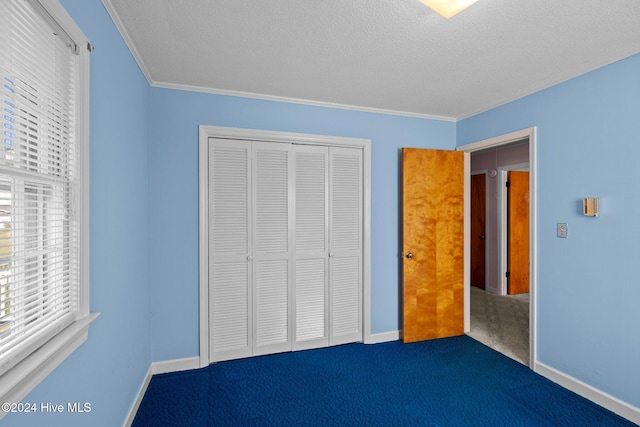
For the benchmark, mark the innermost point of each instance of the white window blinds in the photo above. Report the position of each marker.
(39, 228)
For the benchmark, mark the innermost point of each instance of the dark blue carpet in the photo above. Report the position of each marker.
(447, 382)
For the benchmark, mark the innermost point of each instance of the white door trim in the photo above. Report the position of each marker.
(206, 132)
(497, 141)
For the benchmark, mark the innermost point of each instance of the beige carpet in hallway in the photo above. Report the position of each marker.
(501, 322)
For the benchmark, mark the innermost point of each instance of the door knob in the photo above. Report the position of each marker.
(481, 237)
(409, 255)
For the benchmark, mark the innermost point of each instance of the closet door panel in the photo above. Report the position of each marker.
(229, 198)
(285, 247)
(272, 311)
(230, 293)
(311, 307)
(231, 326)
(311, 168)
(271, 195)
(345, 240)
(311, 242)
(345, 300)
(272, 246)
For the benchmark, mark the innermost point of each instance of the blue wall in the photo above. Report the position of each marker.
(108, 369)
(175, 117)
(144, 220)
(588, 287)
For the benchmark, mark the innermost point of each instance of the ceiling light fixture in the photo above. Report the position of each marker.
(448, 8)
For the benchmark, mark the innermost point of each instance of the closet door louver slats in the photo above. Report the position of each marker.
(271, 192)
(311, 290)
(345, 261)
(272, 246)
(230, 291)
(311, 198)
(345, 302)
(231, 200)
(285, 247)
(272, 299)
(311, 285)
(231, 307)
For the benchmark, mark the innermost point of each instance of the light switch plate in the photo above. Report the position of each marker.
(562, 230)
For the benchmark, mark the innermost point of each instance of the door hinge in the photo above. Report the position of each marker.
(507, 274)
(508, 184)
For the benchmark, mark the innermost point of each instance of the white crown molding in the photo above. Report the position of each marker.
(250, 95)
(201, 89)
(138, 57)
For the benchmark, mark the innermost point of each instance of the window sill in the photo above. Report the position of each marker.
(26, 375)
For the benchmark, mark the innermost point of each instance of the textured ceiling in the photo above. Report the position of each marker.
(389, 55)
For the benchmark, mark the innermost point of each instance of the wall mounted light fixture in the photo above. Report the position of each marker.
(590, 206)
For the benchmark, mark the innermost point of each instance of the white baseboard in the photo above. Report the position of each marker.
(136, 404)
(383, 337)
(160, 368)
(176, 365)
(603, 399)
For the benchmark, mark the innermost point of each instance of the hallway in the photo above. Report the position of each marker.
(501, 322)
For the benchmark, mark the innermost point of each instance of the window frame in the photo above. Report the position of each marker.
(19, 380)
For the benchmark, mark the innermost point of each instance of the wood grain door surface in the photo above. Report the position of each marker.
(432, 243)
(518, 232)
(478, 230)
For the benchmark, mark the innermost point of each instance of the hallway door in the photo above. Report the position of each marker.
(517, 232)
(478, 229)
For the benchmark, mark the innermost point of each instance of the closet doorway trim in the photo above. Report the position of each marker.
(207, 132)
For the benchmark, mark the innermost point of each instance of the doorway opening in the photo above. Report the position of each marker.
(500, 319)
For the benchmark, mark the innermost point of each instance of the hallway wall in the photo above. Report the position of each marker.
(500, 158)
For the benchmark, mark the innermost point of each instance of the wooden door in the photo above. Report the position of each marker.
(433, 243)
(478, 230)
(518, 232)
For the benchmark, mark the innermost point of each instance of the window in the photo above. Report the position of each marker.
(43, 191)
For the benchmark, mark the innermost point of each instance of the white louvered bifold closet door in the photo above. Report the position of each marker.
(230, 292)
(285, 247)
(311, 238)
(345, 242)
(272, 246)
